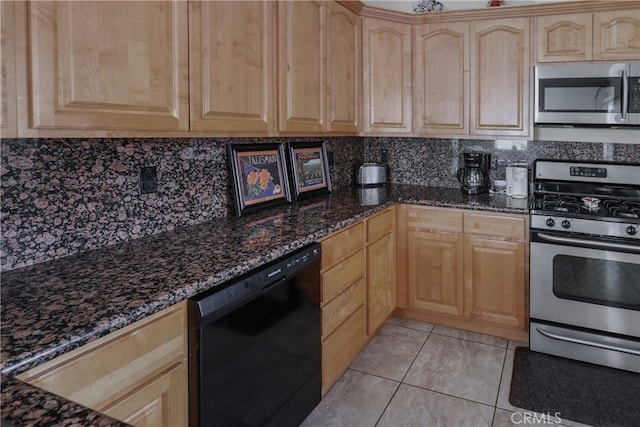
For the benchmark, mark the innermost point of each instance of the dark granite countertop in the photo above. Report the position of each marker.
(51, 308)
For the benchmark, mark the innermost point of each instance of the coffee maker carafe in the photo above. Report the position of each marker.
(474, 173)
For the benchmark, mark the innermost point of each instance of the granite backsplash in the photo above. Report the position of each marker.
(435, 161)
(64, 196)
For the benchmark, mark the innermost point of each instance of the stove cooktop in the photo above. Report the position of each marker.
(591, 207)
(605, 191)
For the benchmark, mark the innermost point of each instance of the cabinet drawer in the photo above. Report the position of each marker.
(342, 244)
(99, 373)
(341, 347)
(379, 225)
(432, 219)
(340, 277)
(494, 226)
(342, 306)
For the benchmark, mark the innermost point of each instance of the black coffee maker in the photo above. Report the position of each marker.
(474, 174)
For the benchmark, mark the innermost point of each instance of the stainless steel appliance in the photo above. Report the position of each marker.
(585, 262)
(371, 174)
(474, 174)
(255, 354)
(588, 94)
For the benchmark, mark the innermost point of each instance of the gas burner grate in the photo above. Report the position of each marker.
(560, 203)
(622, 209)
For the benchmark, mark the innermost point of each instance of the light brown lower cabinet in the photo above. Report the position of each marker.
(343, 301)
(380, 271)
(358, 290)
(463, 269)
(137, 374)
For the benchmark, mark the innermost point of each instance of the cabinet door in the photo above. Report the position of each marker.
(381, 292)
(342, 346)
(343, 72)
(386, 53)
(494, 281)
(108, 65)
(441, 79)
(564, 37)
(616, 35)
(159, 403)
(102, 372)
(231, 65)
(301, 66)
(8, 99)
(435, 272)
(500, 73)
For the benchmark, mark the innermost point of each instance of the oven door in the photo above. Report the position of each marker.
(585, 282)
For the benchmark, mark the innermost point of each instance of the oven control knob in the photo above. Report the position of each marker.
(550, 222)
(631, 230)
(566, 223)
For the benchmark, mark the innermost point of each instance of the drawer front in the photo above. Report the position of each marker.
(343, 275)
(116, 363)
(432, 219)
(495, 226)
(342, 306)
(379, 225)
(341, 347)
(342, 244)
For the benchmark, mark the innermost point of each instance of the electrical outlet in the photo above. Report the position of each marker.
(384, 156)
(147, 180)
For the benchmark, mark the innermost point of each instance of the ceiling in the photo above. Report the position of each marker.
(407, 5)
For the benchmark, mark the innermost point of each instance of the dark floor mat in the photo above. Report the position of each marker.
(579, 391)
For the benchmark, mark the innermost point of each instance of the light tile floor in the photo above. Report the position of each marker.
(418, 374)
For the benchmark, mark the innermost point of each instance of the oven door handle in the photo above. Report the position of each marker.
(591, 243)
(585, 342)
(625, 95)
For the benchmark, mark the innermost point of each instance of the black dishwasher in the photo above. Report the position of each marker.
(255, 352)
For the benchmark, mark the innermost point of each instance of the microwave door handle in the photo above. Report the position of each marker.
(625, 95)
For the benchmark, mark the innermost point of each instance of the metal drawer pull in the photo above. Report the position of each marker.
(585, 342)
(600, 244)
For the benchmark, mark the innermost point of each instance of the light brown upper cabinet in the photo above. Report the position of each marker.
(589, 36)
(441, 79)
(8, 119)
(231, 66)
(107, 65)
(318, 52)
(301, 66)
(472, 78)
(343, 69)
(387, 89)
(564, 37)
(616, 35)
(500, 75)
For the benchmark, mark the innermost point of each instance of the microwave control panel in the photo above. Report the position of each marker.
(634, 94)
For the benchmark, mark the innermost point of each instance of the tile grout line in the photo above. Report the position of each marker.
(405, 374)
(504, 362)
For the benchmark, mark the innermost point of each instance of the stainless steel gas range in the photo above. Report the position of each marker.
(585, 262)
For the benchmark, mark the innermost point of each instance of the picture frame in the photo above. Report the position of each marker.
(258, 176)
(309, 169)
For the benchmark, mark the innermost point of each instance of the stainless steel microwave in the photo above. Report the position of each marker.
(587, 94)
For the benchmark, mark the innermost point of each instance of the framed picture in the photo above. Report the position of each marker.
(259, 176)
(309, 169)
